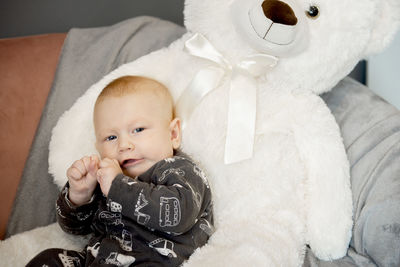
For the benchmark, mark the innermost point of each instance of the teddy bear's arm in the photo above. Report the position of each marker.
(328, 194)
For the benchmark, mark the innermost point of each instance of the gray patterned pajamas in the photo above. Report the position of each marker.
(156, 219)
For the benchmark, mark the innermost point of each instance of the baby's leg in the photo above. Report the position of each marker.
(58, 257)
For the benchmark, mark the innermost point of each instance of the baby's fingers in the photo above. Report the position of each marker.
(74, 173)
(80, 165)
(77, 170)
(87, 161)
(106, 162)
(93, 164)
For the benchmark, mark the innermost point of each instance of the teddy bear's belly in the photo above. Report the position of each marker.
(266, 187)
(268, 190)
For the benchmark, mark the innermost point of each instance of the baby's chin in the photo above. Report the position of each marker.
(133, 172)
(138, 168)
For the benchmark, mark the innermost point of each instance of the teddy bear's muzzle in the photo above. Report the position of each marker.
(274, 21)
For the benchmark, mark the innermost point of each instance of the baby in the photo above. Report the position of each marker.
(146, 203)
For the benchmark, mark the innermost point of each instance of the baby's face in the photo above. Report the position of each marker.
(135, 129)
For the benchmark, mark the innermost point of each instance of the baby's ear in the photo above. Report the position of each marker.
(387, 22)
(175, 129)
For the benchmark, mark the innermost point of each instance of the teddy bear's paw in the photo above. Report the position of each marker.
(329, 248)
(255, 246)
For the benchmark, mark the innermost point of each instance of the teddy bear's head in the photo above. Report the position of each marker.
(320, 40)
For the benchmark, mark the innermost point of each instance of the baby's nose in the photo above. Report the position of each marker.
(126, 144)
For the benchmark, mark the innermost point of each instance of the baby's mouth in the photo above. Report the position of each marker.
(129, 162)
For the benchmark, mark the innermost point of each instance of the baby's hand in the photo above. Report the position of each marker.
(82, 179)
(108, 170)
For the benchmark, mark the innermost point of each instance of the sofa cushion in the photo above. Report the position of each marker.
(27, 67)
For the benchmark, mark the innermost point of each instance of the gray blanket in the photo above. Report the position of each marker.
(370, 128)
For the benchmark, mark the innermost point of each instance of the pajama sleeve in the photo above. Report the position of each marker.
(170, 197)
(75, 219)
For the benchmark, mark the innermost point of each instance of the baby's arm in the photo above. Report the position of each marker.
(75, 205)
(170, 197)
(76, 219)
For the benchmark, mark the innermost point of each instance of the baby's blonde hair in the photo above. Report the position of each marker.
(126, 85)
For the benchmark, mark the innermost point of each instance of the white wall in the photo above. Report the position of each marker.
(383, 73)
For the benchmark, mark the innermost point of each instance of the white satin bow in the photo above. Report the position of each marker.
(242, 96)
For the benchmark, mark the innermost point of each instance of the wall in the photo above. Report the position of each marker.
(27, 17)
(383, 73)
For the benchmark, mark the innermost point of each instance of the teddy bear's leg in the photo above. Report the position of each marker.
(249, 244)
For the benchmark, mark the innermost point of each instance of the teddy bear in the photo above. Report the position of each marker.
(246, 80)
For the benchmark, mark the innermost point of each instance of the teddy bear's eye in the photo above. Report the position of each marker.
(313, 12)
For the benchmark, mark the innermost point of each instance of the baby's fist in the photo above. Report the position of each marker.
(82, 179)
(108, 170)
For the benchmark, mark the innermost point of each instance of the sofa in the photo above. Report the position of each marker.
(43, 75)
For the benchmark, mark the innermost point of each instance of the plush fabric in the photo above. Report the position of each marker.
(370, 129)
(27, 67)
(88, 54)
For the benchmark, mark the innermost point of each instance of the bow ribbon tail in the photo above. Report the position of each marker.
(203, 82)
(200, 47)
(241, 118)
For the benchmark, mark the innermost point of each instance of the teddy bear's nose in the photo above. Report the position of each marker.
(279, 12)
(275, 21)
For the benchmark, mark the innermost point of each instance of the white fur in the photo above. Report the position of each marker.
(19, 249)
(295, 190)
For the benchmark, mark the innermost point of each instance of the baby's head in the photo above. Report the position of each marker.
(134, 123)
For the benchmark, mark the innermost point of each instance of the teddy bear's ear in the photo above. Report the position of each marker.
(387, 22)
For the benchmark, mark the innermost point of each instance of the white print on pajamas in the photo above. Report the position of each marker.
(164, 247)
(82, 216)
(126, 241)
(169, 160)
(170, 171)
(119, 259)
(206, 227)
(128, 180)
(142, 218)
(68, 261)
(170, 211)
(196, 196)
(199, 172)
(111, 218)
(58, 209)
(114, 206)
(94, 250)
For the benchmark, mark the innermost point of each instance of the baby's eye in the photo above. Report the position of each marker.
(111, 137)
(138, 130)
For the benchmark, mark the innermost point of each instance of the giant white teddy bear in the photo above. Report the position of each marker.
(246, 79)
